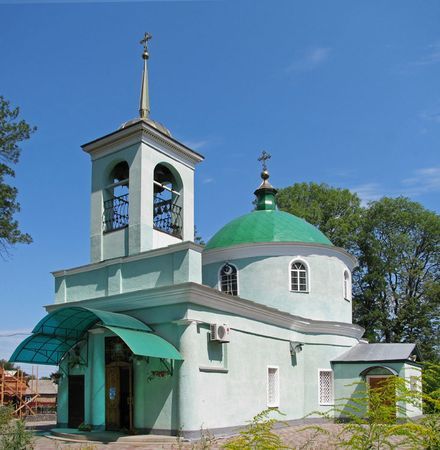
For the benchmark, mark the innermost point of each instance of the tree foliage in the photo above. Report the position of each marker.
(336, 212)
(397, 291)
(5, 364)
(12, 132)
(396, 286)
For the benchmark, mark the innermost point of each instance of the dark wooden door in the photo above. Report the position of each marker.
(384, 397)
(112, 398)
(76, 400)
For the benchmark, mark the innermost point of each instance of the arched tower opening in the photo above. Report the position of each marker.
(116, 200)
(167, 201)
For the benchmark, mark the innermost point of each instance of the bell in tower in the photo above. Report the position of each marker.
(142, 185)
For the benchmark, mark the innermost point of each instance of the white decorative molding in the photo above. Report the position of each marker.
(187, 245)
(197, 294)
(119, 139)
(258, 249)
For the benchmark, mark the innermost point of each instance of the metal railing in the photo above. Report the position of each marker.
(167, 216)
(115, 213)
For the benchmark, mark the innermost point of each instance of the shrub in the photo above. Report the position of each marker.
(13, 433)
(258, 435)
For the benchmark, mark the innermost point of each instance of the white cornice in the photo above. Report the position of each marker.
(197, 294)
(136, 133)
(181, 246)
(257, 249)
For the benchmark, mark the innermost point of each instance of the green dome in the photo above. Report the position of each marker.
(266, 226)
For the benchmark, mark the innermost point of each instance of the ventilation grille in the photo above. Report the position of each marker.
(326, 387)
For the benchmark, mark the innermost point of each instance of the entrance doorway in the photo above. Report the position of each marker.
(118, 385)
(382, 396)
(75, 400)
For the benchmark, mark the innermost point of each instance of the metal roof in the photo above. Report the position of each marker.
(377, 352)
(266, 226)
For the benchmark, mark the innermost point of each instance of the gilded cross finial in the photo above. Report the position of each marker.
(263, 158)
(144, 42)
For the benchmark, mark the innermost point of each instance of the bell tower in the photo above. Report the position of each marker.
(142, 185)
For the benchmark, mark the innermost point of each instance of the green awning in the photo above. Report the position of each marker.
(62, 329)
(146, 344)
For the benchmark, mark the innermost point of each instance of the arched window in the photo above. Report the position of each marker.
(116, 198)
(229, 279)
(167, 214)
(347, 285)
(299, 277)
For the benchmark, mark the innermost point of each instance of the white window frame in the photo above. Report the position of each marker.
(347, 297)
(308, 278)
(276, 402)
(332, 401)
(219, 282)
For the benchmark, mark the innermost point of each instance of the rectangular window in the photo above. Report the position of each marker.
(273, 387)
(325, 387)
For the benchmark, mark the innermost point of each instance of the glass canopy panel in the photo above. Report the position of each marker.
(60, 330)
(75, 321)
(42, 349)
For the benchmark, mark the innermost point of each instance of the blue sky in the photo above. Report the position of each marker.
(346, 93)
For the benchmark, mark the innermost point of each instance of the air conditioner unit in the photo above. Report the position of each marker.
(219, 332)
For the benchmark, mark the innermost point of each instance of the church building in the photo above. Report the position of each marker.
(158, 334)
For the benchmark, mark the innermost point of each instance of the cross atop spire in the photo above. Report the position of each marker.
(144, 42)
(263, 158)
(144, 104)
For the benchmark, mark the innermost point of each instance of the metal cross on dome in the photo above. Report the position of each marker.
(144, 41)
(263, 158)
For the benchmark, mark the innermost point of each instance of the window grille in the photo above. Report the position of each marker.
(298, 277)
(229, 279)
(115, 213)
(325, 387)
(347, 287)
(167, 216)
(273, 387)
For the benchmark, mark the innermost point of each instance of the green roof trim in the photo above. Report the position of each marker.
(266, 226)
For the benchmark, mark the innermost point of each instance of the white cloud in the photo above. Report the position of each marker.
(430, 116)
(368, 192)
(422, 181)
(431, 56)
(312, 58)
(196, 145)
(208, 180)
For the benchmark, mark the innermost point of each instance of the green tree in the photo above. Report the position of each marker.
(8, 365)
(396, 289)
(336, 212)
(12, 131)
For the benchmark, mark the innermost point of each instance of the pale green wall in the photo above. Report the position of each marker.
(119, 277)
(267, 280)
(213, 377)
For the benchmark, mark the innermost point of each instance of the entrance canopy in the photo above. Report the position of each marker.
(62, 329)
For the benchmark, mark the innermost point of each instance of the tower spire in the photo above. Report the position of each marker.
(266, 192)
(144, 104)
